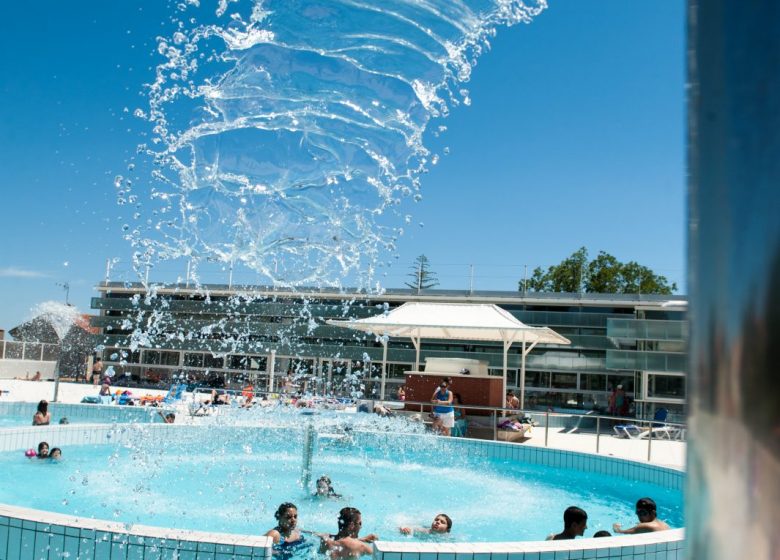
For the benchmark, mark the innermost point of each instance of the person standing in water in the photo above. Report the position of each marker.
(285, 536)
(347, 543)
(42, 416)
(575, 521)
(648, 522)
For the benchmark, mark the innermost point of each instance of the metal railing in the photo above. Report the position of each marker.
(644, 430)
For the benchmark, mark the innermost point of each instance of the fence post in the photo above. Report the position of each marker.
(495, 426)
(598, 433)
(649, 441)
(546, 425)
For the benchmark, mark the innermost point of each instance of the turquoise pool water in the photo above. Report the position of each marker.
(231, 479)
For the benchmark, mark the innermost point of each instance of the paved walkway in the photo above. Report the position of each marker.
(662, 452)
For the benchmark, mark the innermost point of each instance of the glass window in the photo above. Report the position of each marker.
(398, 371)
(51, 352)
(151, 357)
(32, 351)
(169, 358)
(193, 359)
(216, 362)
(665, 386)
(590, 382)
(14, 350)
(254, 363)
(302, 367)
(537, 378)
(564, 381)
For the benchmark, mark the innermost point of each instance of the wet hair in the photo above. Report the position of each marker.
(53, 449)
(347, 515)
(43, 406)
(64, 420)
(447, 519)
(646, 503)
(171, 415)
(283, 508)
(40, 446)
(573, 514)
(601, 533)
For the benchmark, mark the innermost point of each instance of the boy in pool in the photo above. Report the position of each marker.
(441, 524)
(648, 522)
(347, 543)
(575, 521)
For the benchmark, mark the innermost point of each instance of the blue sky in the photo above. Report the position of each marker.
(575, 137)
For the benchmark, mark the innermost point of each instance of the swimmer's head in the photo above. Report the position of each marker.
(287, 515)
(43, 449)
(324, 486)
(55, 453)
(441, 524)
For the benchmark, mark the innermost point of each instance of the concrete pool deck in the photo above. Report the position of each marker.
(663, 452)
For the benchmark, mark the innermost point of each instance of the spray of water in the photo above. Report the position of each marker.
(287, 134)
(288, 137)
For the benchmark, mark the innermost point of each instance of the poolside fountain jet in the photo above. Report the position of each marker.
(308, 452)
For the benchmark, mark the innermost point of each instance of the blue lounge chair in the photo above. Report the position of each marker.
(175, 393)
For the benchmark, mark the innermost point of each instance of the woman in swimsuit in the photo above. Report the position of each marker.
(285, 535)
(42, 417)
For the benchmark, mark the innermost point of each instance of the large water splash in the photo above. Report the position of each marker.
(288, 134)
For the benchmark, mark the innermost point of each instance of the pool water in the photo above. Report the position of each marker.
(232, 480)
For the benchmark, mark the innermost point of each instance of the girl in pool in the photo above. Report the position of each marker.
(42, 417)
(325, 488)
(441, 524)
(288, 540)
(55, 454)
(43, 450)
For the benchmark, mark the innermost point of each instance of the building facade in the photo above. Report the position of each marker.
(234, 334)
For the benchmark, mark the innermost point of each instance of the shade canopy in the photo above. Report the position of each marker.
(455, 321)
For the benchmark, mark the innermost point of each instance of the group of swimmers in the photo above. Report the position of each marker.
(55, 453)
(575, 521)
(289, 541)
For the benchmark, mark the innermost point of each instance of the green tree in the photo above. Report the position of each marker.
(568, 276)
(604, 274)
(640, 279)
(421, 274)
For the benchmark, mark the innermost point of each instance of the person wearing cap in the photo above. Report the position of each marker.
(648, 522)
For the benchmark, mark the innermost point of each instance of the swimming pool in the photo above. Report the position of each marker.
(231, 479)
(18, 414)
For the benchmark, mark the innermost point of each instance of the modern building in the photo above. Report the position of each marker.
(216, 333)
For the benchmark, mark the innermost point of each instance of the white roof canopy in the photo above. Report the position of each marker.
(455, 321)
(458, 321)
